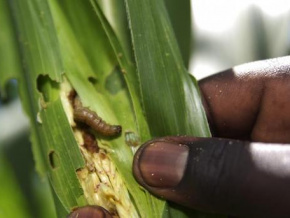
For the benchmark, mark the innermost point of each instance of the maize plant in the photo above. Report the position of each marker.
(97, 79)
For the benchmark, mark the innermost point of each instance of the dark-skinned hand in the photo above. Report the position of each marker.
(245, 169)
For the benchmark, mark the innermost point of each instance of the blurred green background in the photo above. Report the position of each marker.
(224, 33)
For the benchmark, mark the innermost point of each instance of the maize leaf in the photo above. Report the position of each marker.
(64, 46)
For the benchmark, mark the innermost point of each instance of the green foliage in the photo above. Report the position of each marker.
(11, 196)
(171, 101)
(131, 78)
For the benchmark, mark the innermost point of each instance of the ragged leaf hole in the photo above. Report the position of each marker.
(48, 88)
(93, 80)
(53, 159)
(115, 81)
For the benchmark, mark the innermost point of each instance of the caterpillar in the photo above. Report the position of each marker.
(93, 120)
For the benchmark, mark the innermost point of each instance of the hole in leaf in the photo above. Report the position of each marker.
(53, 159)
(93, 80)
(48, 88)
(115, 81)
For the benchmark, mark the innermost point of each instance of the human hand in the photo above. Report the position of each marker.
(248, 177)
(249, 102)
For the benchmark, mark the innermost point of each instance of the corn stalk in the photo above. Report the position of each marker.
(63, 50)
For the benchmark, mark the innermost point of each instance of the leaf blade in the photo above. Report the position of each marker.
(167, 91)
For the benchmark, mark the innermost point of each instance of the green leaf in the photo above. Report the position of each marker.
(115, 14)
(123, 55)
(111, 101)
(170, 96)
(10, 65)
(180, 16)
(62, 40)
(12, 203)
(55, 150)
(171, 101)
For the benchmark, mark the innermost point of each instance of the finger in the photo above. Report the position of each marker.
(217, 175)
(90, 212)
(251, 101)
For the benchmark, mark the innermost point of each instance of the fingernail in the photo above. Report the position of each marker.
(162, 164)
(90, 212)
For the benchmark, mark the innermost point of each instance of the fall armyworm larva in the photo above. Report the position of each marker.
(92, 119)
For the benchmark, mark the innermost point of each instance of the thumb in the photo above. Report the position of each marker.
(217, 175)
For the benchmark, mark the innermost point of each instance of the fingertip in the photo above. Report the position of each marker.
(91, 211)
(162, 163)
(159, 166)
(158, 147)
